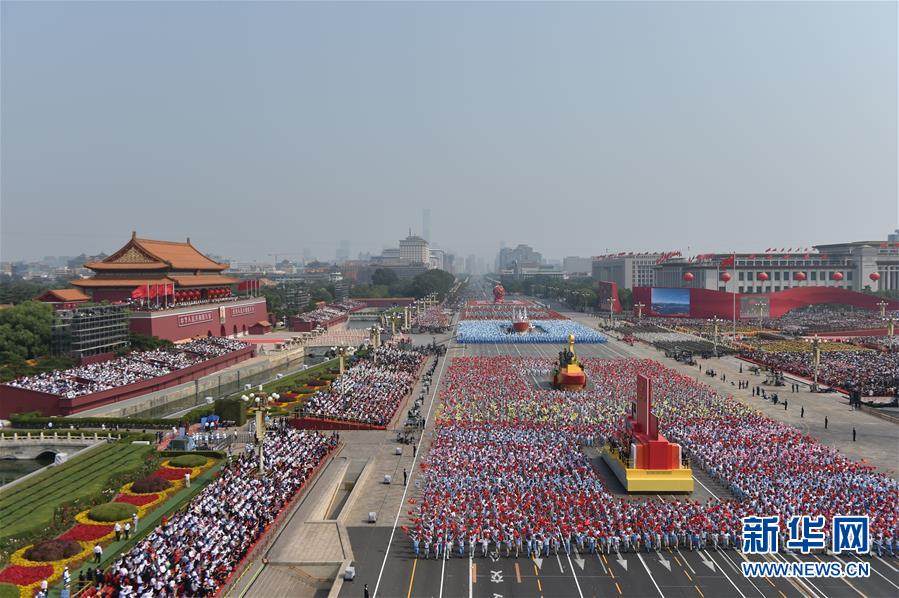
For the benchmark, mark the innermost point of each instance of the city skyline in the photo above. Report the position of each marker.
(702, 138)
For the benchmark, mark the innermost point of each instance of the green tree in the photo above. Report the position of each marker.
(25, 329)
(432, 281)
(384, 276)
(320, 294)
(143, 342)
(626, 297)
(276, 299)
(17, 290)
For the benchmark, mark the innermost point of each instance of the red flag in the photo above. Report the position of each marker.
(728, 261)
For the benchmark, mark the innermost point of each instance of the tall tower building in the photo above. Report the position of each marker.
(426, 224)
(415, 250)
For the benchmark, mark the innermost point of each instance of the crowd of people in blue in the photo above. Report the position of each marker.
(542, 331)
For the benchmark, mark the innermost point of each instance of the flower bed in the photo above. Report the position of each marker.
(173, 474)
(27, 574)
(138, 500)
(53, 550)
(87, 532)
(26, 577)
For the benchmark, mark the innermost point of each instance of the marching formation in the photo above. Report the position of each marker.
(506, 472)
(544, 331)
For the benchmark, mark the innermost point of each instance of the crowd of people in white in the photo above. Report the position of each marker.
(133, 367)
(825, 318)
(329, 312)
(194, 552)
(872, 373)
(432, 319)
(371, 390)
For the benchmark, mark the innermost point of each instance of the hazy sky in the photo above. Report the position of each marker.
(256, 128)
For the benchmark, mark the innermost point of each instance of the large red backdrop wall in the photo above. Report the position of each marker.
(705, 303)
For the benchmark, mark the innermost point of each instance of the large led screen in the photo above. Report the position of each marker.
(670, 302)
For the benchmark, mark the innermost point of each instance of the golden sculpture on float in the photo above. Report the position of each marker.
(570, 375)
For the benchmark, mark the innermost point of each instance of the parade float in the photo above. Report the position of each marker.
(647, 462)
(499, 293)
(570, 375)
(520, 321)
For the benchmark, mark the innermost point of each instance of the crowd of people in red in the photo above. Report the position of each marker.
(506, 472)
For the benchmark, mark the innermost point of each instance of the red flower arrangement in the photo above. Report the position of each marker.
(138, 500)
(25, 576)
(171, 474)
(87, 533)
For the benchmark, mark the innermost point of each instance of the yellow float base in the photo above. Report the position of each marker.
(657, 481)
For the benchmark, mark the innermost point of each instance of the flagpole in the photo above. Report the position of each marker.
(734, 338)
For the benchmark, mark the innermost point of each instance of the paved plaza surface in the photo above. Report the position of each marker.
(382, 553)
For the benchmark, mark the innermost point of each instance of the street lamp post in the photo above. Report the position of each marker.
(611, 303)
(715, 322)
(882, 304)
(341, 353)
(891, 331)
(816, 351)
(640, 307)
(262, 407)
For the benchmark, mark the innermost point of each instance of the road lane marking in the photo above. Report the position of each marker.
(573, 574)
(406, 489)
(806, 580)
(442, 570)
(617, 587)
(651, 578)
(687, 573)
(706, 487)
(700, 591)
(517, 573)
(886, 563)
(843, 579)
(412, 578)
(601, 564)
(689, 566)
(723, 572)
(796, 582)
(751, 581)
(887, 579)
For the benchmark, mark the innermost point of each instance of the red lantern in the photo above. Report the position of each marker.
(800, 276)
(763, 276)
(725, 276)
(837, 276)
(874, 276)
(688, 276)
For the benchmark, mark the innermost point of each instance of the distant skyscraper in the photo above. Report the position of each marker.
(343, 252)
(426, 224)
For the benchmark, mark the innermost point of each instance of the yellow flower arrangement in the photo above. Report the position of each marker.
(18, 559)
